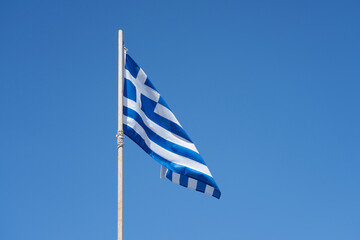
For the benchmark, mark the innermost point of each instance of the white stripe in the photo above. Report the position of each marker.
(209, 190)
(170, 156)
(192, 183)
(162, 132)
(175, 178)
(141, 77)
(163, 171)
(166, 113)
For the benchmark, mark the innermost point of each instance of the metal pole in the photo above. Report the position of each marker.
(120, 134)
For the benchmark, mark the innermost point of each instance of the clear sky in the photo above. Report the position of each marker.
(269, 91)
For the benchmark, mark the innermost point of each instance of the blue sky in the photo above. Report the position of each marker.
(267, 90)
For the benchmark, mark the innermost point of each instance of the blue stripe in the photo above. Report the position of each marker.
(131, 65)
(184, 180)
(217, 193)
(129, 90)
(200, 187)
(149, 84)
(169, 175)
(148, 107)
(172, 147)
(182, 170)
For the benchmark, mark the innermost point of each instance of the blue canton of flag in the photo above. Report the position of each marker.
(150, 123)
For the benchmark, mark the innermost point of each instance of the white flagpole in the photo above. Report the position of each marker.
(120, 133)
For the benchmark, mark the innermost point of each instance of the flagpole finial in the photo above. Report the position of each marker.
(120, 138)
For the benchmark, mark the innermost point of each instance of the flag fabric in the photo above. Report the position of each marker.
(150, 123)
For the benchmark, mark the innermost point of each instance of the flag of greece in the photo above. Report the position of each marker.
(150, 123)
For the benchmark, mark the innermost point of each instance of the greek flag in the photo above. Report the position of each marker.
(150, 123)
